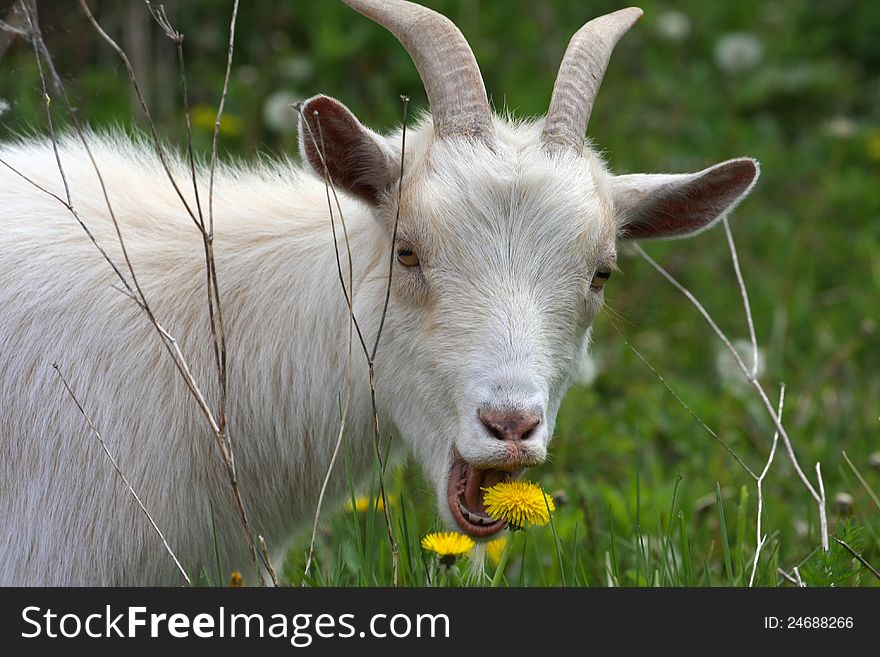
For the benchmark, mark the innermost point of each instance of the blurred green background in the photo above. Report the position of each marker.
(794, 84)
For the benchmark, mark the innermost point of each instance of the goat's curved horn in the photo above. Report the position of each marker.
(580, 75)
(445, 62)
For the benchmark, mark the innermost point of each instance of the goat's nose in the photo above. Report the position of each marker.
(509, 425)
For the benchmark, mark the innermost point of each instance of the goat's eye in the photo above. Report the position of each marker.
(407, 257)
(599, 279)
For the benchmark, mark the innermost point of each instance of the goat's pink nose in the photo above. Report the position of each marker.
(509, 425)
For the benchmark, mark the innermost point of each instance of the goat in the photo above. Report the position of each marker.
(507, 236)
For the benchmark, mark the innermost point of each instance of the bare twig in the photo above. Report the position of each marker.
(76, 216)
(229, 55)
(348, 291)
(267, 560)
(223, 440)
(330, 189)
(161, 17)
(368, 354)
(687, 408)
(218, 334)
(122, 476)
(405, 101)
(819, 497)
(858, 556)
(134, 290)
(371, 357)
(330, 466)
(861, 479)
(36, 36)
(30, 14)
(348, 383)
(761, 538)
(17, 31)
(160, 151)
(218, 330)
(11, 28)
(745, 295)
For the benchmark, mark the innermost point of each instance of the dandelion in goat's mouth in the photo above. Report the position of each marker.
(447, 545)
(520, 503)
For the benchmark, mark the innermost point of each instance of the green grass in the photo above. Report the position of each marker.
(645, 487)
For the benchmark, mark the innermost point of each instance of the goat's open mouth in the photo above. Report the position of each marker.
(465, 497)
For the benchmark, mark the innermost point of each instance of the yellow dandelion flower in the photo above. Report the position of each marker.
(520, 503)
(447, 545)
(364, 504)
(495, 547)
(236, 581)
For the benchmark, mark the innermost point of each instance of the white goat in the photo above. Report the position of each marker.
(507, 236)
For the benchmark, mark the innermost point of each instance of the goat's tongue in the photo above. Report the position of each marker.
(466, 497)
(476, 481)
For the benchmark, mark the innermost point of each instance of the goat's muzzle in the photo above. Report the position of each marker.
(465, 495)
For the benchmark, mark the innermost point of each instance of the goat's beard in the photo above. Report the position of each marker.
(465, 492)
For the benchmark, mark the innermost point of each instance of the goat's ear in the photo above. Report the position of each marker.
(657, 206)
(357, 159)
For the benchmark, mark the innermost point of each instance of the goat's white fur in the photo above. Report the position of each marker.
(509, 235)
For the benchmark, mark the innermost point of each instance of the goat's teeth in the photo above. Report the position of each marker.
(476, 518)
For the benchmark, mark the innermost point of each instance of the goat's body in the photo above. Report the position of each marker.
(66, 516)
(505, 234)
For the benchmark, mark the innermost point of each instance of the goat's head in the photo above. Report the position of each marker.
(507, 236)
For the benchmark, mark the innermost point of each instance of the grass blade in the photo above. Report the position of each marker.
(724, 542)
(685, 549)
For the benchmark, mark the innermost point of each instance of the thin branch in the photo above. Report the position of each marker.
(318, 143)
(76, 216)
(229, 55)
(861, 479)
(347, 290)
(37, 38)
(371, 357)
(786, 576)
(161, 17)
(859, 557)
(405, 101)
(122, 476)
(761, 538)
(30, 16)
(330, 189)
(218, 334)
(745, 295)
(17, 31)
(168, 341)
(267, 560)
(687, 408)
(819, 498)
(143, 103)
(218, 340)
(218, 330)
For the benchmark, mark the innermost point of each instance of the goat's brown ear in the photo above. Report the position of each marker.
(664, 206)
(357, 159)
